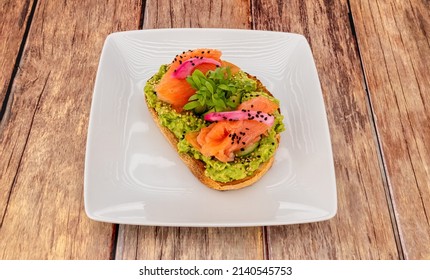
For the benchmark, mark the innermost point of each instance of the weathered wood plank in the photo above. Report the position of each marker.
(14, 17)
(394, 38)
(43, 141)
(204, 14)
(189, 243)
(192, 243)
(362, 229)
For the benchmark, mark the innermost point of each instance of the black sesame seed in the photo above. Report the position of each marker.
(209, 51)
(183, 52)
(243, 143)
(180, 61)
(259, 156)
(252, 106)
(203, 52)
(242, 149)
(247, 128)
(265, 118)
(180, 56)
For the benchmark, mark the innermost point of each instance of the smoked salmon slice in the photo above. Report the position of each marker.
(177, 91)
(259, 103)
(222, 139)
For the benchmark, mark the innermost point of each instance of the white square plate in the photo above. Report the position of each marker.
(132, 174)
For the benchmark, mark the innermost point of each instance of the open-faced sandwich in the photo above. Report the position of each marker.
(223, 122)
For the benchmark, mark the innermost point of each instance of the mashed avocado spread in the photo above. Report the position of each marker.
(182, 123)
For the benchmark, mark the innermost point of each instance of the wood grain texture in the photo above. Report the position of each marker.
(192, 243)
(362, 228)
(173, 243)
(197, 13)
(394, 38)
(43, 141)
(14, 18)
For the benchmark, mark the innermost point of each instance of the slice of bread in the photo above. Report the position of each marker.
(197, 167)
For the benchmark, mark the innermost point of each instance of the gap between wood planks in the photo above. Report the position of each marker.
(7, 102)
(251, 12)
(25, 147)
(377, 139)
(142, 15)
(114, 240)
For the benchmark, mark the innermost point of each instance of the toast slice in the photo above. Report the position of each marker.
(197, 167)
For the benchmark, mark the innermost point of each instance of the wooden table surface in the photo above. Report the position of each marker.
(373, 60)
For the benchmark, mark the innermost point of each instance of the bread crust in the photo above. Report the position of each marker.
(197, 167)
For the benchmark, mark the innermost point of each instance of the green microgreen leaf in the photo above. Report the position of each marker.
(209, 87)
(196, 81)
(191, 105)
(218, 90)
(224, 87)
(193, 97)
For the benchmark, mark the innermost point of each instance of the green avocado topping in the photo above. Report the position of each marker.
(188, 121)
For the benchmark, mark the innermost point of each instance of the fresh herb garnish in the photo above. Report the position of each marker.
(216, 91)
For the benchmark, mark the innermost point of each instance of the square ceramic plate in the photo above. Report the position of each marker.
(132, 174)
